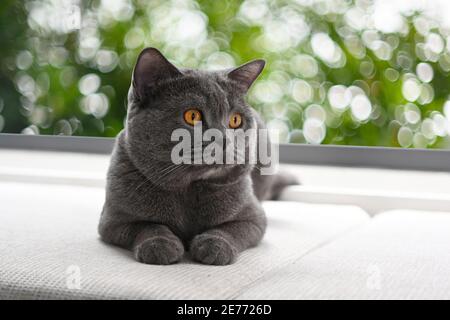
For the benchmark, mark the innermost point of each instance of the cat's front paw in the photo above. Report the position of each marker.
(159, 250)
(212, 249)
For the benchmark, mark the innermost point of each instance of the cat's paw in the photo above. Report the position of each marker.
(159, 250)
(212, 249)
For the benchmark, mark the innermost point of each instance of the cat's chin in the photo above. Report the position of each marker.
(213, 172)
(222, 174)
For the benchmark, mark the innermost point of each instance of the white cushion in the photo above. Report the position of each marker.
(48, 237)
(398, 255)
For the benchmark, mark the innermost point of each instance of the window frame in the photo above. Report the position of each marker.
(325, 155)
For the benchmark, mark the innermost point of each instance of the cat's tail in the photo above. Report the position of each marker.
(280, 182)
(270, 187)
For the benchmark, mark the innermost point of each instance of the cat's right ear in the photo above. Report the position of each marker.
(151, 67)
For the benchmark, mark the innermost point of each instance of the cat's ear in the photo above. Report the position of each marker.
(151, 67)
(246, 74)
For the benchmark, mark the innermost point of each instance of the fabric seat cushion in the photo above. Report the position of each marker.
(401, 254)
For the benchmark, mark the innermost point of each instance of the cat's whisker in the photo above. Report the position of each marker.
(168, 174)
(164, 174)
(128, 173)
(148, 179)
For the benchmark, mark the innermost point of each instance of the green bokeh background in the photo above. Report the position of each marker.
(42, 63)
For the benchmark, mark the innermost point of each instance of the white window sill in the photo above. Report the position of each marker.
(374, 190)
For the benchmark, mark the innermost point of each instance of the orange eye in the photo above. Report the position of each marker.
(192, 116)
(235, 121)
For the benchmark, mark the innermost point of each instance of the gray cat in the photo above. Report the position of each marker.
(159, 209)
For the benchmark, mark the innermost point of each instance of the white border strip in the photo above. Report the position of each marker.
(350, 156)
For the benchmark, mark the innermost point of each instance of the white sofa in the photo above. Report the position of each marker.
(49, 249)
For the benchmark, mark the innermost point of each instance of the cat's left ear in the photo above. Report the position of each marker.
(246, 74)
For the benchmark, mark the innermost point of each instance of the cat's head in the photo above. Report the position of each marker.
(163, 98)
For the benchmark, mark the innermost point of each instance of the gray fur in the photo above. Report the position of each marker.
(160, 210)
